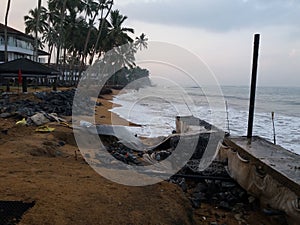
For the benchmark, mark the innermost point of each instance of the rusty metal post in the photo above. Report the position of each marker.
(253, 85)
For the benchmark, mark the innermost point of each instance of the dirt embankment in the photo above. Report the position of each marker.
(47, 168)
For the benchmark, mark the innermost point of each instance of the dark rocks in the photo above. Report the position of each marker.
(50, 102)
(200, 196)
(196, 203)
(201, 188)
(58, 102)
(272, 212)
(225, 205)
(123, 153)
(174, 142)
(61, 143)
(183, 185)
(5, 115)
(4, 132)
(162, 155)
(213, 223)
(225, 198)
(226, 195)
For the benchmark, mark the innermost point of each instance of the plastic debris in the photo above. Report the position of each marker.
(44, 129)
(39, 119)
(21, 122)
(85, 124)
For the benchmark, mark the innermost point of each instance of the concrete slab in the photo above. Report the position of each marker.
(282, 164)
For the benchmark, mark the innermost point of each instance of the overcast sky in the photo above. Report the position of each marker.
(220, 32)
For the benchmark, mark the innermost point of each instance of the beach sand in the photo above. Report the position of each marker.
(66, 190)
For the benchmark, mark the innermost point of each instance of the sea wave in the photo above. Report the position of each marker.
(157, 115)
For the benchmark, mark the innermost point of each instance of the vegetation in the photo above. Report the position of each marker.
(127, 75)
(81, 31)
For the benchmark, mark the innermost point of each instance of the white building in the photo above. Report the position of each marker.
(20, 45)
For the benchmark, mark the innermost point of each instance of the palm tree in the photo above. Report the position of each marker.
(113, 34)
(118, 34)
(36, 29)
(58, 7)
(141, 42)
(63, 9)
(117, 59)
(50, 36)
(91, 8)
(36, 22)
(5, 32)
(105, 5)
(31, 21)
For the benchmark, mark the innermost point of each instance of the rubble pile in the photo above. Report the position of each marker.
(214, 186)
(124, 154)
(49, 102)
(153, 155)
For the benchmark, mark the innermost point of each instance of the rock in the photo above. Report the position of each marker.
(239, 218)
(4, 132)
(225, 205)
(200, 196)
(39, 119)
(162, 155)
(228, 185)
(201, 187)
(51, 102)
(183, 185)
(196, 203)
(272, 212)
(251, 199)
(5, 115)
(61, 143)
(174, 141)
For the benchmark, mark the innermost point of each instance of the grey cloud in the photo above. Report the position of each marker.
(216, 15)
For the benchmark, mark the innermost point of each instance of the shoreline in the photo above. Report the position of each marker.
(48, 169)
(103, 115)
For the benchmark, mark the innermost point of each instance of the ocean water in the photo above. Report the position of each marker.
(156, 108)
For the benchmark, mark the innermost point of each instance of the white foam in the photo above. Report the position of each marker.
(156, 109)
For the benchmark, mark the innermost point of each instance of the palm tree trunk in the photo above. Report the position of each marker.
(62, 18)
(36, 56)
(5, 32)
(50, 54)
(64, 61)
(88, 38)
(72, 68)
(100, 31)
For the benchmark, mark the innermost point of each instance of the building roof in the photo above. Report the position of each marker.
(27, 67)
(21, 35)
(12, 31)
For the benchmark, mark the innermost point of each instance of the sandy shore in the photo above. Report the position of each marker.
(104, 116)
(43, 168)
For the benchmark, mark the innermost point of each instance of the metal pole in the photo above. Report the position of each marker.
(253, 85)
(274, 133)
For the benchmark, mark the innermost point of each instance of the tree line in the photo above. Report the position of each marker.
(76, 32)
(80, 30)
